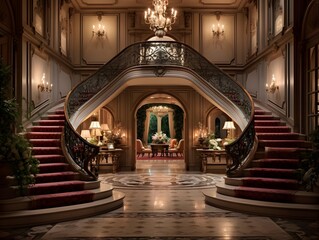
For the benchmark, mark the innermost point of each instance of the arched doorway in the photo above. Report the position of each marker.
(159, 114)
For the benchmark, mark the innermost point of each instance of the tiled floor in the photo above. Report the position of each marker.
(166, 212)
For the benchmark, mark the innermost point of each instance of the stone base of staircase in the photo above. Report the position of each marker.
(262, 208)
(105, 200)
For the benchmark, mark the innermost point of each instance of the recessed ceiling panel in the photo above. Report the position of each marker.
(219, 2)
(108, 4)
(97, 2)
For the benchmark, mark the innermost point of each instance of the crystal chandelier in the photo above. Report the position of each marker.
(158, 20)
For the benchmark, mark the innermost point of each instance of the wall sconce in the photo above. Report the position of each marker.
(272, 87)
(45, 86)
(218, 31)
(99, 31)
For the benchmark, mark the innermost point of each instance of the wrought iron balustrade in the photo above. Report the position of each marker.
(161, 55)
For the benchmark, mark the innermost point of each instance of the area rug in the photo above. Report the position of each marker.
(166, 158)
(161, 181)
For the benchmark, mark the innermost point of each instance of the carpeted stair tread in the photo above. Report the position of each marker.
(57, 129)
(274, 183)
(53, 158)
(53, 167)
(56, 177)
(46, 150)
(266, 117)
(44, 135)
(276, 129)
(280, 136)
(262, 112)
(265, 194)
(45, 142)
(56, 187)
(61, 199)
(53, 117)
(276, 163)
(271, 173)
(58, 111)
(268, 123)
(48, 122)
(277, 152)
(285, 143)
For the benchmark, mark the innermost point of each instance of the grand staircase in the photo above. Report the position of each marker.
(59, 194)
(270, 184)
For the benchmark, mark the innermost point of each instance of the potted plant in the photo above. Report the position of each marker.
(309, 164)
(15, 151)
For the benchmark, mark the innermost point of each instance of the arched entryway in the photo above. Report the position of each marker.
(159, 114)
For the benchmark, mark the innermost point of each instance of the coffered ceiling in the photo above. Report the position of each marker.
(98, 5)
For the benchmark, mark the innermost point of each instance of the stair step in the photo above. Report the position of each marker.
(284, 153)
(272, 129)
(265, 208)
(56, 177)
(285, 143)
(266, 117)
(28, 218)
(61, 199)
(53, 167)
(44, 135)
(45, 129)
(269, 123)
(46, 150)
(49, 123)
(262, 112)
(45, 142)
(274, 183)
(56, 187)
(54, 158)
(271, 173)
(59, 111)
(276, 163)
(53, 117)
(281, 136)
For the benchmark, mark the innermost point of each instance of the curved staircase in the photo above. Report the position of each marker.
(270, 185)
(58, 194)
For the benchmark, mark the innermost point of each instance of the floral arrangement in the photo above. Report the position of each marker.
(114, 136)
(215, 143)
(159, 137)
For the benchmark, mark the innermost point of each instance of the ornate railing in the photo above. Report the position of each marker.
(159, 56)
(80, 151)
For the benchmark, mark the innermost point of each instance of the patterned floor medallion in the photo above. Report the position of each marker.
(147, 181)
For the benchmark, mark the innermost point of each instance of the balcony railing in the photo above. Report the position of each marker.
(158, 56)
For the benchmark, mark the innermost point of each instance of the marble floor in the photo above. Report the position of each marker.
(169, 211)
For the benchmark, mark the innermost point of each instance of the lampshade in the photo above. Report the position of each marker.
(95, 125)
(85, 134)
(98, 132)
(229, 125)
(105, 127)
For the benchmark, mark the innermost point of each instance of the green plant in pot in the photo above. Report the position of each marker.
(15, 150)
(309, 164)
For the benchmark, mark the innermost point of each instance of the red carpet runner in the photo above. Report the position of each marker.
(273, 175)
(56, 184)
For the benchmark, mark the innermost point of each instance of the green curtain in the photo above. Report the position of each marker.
(165, 126)
(178, 119)
(153, 127)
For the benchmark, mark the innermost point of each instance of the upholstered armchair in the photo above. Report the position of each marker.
(140, 149)
(172, 143)
(177, 150)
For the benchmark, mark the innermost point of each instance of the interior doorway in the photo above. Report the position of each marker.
(160, 120)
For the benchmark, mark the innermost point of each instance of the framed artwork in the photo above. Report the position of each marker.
(276, 20)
